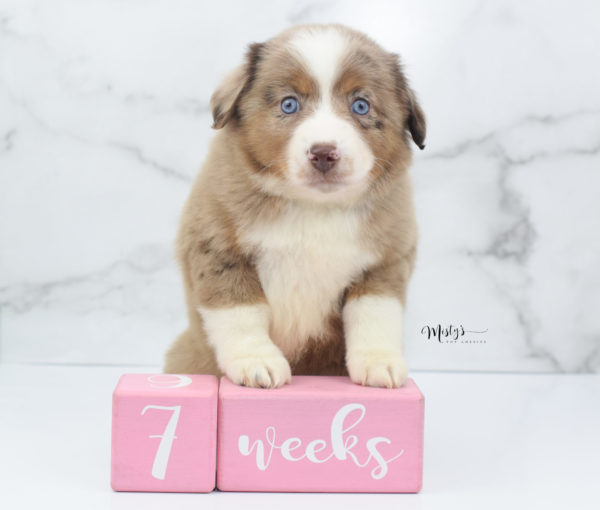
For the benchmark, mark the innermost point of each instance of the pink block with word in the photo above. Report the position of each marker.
(164, 432)
(320, 434)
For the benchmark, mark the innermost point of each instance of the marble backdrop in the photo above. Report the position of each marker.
(104, 122)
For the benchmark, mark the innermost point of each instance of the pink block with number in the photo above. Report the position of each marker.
(164, 433)
(320, 434)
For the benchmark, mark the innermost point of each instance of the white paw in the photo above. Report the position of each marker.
(384, 369)
(260, 370)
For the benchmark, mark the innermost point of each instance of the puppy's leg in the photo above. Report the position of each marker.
(225, 291)
(373, 317)
(373, 329)
(240, 337)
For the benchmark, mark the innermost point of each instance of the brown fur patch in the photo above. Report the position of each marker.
(323, 356)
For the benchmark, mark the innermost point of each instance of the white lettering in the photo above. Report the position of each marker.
(161, 459)
(381, 469)
(245, 449)
(286, 448)
(342, 445)
(311, 449)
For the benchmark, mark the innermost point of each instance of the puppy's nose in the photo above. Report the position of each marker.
(323, 156)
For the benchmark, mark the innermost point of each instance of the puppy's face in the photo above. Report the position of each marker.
(321, 113)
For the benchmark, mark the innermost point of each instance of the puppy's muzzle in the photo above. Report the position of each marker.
(323, 157)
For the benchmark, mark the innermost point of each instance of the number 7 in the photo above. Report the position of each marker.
(161, 459)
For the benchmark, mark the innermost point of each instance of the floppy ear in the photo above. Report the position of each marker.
(224, 100)
(415, 120)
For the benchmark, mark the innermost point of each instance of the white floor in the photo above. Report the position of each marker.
(491, 441)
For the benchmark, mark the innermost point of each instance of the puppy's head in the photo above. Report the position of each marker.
(321, 112)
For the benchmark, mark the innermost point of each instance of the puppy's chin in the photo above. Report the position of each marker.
(332, 189)
(330, 192)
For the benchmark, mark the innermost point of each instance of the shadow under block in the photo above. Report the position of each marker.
(164, 430)
(320, 434)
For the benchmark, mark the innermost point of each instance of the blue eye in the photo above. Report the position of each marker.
(290, 105)
(360, 106)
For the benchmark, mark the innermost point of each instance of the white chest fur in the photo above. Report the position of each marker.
(305, 259)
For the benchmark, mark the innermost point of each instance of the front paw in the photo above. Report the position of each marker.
(383, 369)
(259, 370)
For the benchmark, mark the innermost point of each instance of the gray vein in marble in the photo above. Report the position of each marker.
(465, 146)
(145, 160)
(552, 120)
(513, 244)
(7, 141)
(7, 32)
(5, 20)
(527, 320)
(516, 241)
(591, 363)
(587, 151)
(24, 297)
(187, 106)
(129, 149)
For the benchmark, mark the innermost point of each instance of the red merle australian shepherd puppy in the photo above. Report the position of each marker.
(298, 239)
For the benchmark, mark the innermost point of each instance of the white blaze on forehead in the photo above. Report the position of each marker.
(321, 51)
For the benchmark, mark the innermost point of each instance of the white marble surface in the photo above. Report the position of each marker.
(104, 122)
(492, 441)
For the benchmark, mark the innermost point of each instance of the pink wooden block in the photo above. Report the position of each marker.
(320, 434)
(164, 433)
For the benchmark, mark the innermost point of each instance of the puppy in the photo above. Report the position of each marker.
(299, 237)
